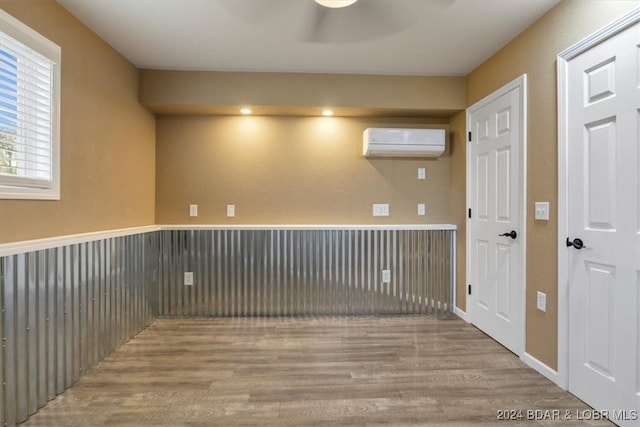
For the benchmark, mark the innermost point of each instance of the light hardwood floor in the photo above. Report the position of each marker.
(368, 370)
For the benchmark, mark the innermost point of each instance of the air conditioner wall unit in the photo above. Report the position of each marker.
(398, 142)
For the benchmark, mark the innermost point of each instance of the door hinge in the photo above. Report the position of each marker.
(469, 289)
(469, 212)
(469, 136)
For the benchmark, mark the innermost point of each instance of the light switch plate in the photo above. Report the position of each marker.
(542, 211)
(231, 210)
(381, 209)
(421, 209)
(422, 173)
(193, 210)
(541, 303)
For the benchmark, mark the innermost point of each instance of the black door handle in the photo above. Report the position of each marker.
(511, 234)
(576, 243)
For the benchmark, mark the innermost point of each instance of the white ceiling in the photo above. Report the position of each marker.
(406, 37)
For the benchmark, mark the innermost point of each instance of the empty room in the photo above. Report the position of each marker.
(319, 212)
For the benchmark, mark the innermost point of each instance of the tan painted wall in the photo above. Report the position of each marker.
(289, 170)
(107, 138)
(207, 92)
(534, 52)
(457, 200)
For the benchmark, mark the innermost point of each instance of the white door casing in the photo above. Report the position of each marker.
(599, 203)
(496, 196)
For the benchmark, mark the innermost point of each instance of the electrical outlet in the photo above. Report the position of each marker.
(541, 303)
(193, 210)
(386, 276)
(421, 209)
(422, 173)
(231, 210)
(188, 278)
(381, 210)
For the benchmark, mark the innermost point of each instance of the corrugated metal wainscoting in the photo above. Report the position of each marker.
(64, 309)
(245, 272)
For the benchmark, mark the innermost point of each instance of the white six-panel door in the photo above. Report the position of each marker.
(495, 168)
(603, 211)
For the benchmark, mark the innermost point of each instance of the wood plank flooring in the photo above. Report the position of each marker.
(356, 371)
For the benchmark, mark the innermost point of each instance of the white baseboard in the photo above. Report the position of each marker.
(461, 314)
(543, 369)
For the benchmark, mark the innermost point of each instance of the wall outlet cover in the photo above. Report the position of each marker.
(386, 276)
(188, 278)
(193, 210)
(381, 209)
(541, 302)
(231, 210)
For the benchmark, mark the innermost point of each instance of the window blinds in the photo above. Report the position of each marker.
(26, 119)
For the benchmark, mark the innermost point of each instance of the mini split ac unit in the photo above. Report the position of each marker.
(392, 142)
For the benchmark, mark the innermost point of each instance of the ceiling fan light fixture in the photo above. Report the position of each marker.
(336, 3)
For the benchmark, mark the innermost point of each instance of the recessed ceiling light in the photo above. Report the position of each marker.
(327, 113)
(336, 3)
(245, 111)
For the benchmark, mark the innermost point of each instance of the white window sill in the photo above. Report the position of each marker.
(24, 193)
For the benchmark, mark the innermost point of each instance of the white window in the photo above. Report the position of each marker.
(29, 113)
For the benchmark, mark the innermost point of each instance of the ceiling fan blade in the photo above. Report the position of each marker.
(256, 11)
(312, 21)
(364, 20)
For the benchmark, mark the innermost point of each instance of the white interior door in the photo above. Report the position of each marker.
(603, 211)
(495, 225)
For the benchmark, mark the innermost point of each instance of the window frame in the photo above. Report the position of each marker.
(37, 42)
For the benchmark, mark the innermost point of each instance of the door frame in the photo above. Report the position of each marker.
(519, 83)
(563, 60)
